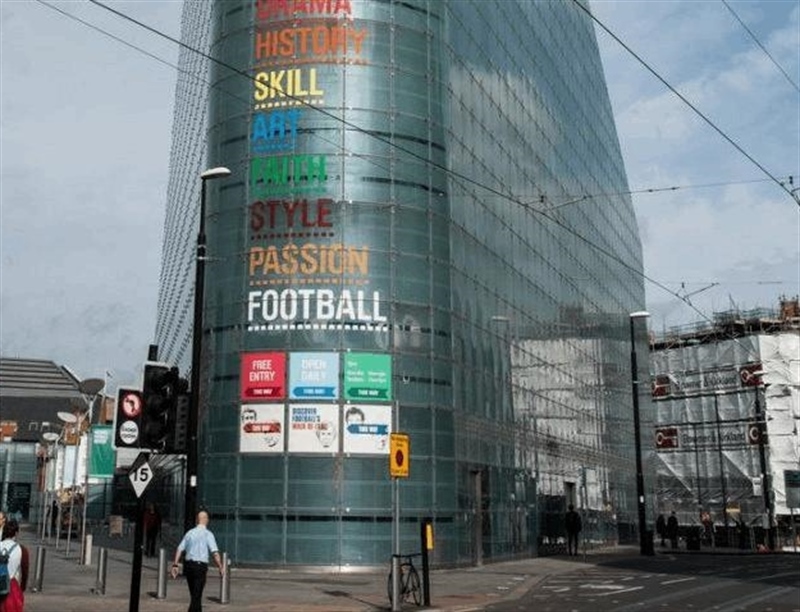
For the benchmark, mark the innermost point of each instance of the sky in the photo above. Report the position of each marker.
(84, 160)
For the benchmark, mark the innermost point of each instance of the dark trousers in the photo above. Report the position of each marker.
(195, 573)
(572, 543)
(150, 543)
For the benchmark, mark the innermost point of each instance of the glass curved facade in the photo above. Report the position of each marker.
(394, 243)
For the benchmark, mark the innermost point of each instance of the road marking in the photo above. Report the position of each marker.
(677, 580)
(636, 588)
(603, 587)
(743, 603)
(556, 589)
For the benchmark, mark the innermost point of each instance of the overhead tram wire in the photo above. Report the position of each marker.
(453, 174)
(762, 47)
(684, 99)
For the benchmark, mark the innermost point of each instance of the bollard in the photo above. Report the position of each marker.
(161, 587)
(38, 572)
(102, 564)
(225, 581)
(87, 549)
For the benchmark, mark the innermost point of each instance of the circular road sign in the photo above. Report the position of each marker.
(131, 405)
(129, 432)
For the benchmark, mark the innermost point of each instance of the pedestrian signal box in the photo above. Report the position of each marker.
(399, 451)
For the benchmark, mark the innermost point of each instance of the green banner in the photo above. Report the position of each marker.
(367, 377)
(101, 459)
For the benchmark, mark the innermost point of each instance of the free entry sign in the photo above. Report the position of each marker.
(263, 376)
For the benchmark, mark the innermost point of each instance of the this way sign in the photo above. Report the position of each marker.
(141, 474)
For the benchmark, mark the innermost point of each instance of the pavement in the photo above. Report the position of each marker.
(68, 586)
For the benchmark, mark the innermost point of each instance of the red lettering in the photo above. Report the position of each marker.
(287, 9)
(290, 213)
(256, 216)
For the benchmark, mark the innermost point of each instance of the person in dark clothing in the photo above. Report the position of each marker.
(53, 518)
(152, 527)
(672, 530)
(661, 529)
(573, 524)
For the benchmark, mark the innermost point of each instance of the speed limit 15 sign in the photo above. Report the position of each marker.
(141, 474)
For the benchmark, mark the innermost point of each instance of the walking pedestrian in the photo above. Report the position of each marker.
(2, 524)
(672, 530)
(152, 527)
(196, 546)
(17, 567)
(573, 521)
(661, 529)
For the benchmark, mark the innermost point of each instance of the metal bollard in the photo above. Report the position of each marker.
(38, 572)
(225, 581)
(87, 549)
(102, 565)
(161, 587)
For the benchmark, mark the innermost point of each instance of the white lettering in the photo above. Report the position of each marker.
(291, 305)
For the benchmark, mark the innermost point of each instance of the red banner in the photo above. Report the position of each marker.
(263, 376)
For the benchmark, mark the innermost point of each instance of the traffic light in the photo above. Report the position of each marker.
(165, 409)
(178, 435)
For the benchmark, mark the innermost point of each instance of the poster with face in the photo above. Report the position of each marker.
(366, 429)
(313, 428)
(261, 428)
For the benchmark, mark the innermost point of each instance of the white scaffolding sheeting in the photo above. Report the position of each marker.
(707, 399)
(780, 359)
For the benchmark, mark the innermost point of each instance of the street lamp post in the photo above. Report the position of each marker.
(722, 477)
(766, 479)
(50, 438)
(76, 422)
(90, 388)
(190, 498)
(645, 544)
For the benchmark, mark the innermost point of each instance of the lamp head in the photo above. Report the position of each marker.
(214, 173)
(91, 386)
(67, 417)
(639, 314)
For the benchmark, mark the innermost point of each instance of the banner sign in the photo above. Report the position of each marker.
(101, 459)
(667, 437)
(314, 375)
(367, 429)
(313, 428)
(367, 377)
(262, 428)
(263, 376)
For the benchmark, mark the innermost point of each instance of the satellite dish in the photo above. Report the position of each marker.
(91, 386)
(67, 417)
(50, 436)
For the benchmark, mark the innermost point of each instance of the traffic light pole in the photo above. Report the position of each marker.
(190, 497)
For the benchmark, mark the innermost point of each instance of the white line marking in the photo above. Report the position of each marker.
(604, 587)
(677, 580)
(636, 588)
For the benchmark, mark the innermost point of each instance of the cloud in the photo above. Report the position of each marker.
(744, 237)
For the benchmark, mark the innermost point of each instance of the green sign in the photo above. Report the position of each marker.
(101, 459)
(791, 480)
(367, 377)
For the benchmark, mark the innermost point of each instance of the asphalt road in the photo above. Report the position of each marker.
(718, 583)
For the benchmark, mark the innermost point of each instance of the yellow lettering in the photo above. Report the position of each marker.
(256, 259)
(290, 259)
(262, 89)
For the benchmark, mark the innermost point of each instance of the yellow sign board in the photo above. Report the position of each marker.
(399, 455)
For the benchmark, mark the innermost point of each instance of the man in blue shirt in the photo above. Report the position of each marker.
(197, 545)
